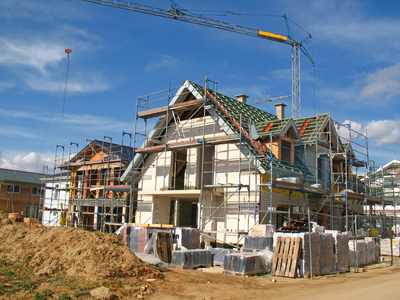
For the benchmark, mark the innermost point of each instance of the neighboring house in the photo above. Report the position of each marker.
(96, 200)
(385, 183)
(20, 192)
(219, 164)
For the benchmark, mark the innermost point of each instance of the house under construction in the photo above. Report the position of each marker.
(202, 159)
(87, 191)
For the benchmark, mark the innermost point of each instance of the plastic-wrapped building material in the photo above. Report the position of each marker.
(306, 263)
(371, 249)
(267, 257)
(358, 253)
(327, 256)
(385, 246)
(219, 255)
(151, 259)
(124, 233)
(191, 259)
(289, 179)
(244, 263)
(138, 238)
(376, 243)
(258, 242)
(187, 237)
(262, 230)
(341, 258)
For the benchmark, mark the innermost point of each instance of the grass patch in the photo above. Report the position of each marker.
(64, 296)
(43, 295)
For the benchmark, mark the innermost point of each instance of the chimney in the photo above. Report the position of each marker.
(280, 110)
(242, 98)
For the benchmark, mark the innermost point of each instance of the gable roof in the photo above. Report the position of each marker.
(7, 175)
(236, 118)
(115, 151)
(241, 112)
(310, 127)
(277, 128)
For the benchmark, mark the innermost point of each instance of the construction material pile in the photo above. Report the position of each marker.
(295, 226)
(321, 253)
(386, 244)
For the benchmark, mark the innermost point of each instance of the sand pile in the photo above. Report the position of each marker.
(68, 251)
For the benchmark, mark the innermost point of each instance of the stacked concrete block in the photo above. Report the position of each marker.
(358, 253)
(341, 256)
(219, 255)
(330, 252)
(138, 238)
(371, 252)
(262, 230)
(187, 237)
(327, 255)
(258, 242)
(385, 246)
(124, 234)
(310, 241)
(260, 237)
(244, 264)
(191, 259)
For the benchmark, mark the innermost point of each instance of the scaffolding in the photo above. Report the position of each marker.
(192, 145)
(84, 189)
(200, 159)
(385, 183)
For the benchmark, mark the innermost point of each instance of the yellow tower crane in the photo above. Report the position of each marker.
(177, 13)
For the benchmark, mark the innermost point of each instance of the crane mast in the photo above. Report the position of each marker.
(176, 14)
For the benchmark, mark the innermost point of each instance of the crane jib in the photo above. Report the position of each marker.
(274, 36)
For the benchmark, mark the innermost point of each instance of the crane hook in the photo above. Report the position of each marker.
(68, 51)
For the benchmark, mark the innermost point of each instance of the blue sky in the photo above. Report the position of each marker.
(119, 55)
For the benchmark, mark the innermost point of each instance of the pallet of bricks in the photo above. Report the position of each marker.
(153, 239)
(188, 255)
(363, 252)
(255, 256)
(386, 244)
(260, 237)
(319, 253)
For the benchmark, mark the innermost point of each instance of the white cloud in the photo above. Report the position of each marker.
(384, 132)
(91, 83)
(20, 114)
(285, 74)
(32, 162)
(165, 61)
(350, 25)
(13, 131)
(350, 130)
(5, 86)
(384, 84)
(91, 122)
(41, 62)
(380, 132)
(73, 121)
(30, 54)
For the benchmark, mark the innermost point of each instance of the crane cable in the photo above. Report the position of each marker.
(68, 51)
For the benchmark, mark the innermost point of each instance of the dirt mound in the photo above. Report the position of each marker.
(73, 252)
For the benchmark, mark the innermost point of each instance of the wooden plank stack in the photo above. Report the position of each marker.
(286, 256)
(162, 242)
